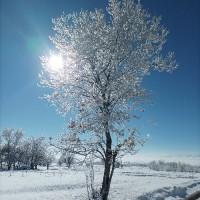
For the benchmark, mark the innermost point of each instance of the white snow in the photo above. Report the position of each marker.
(129, 183)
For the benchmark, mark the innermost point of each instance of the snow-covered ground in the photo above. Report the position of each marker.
(129, 183)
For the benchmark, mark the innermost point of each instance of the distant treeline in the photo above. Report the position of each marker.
(173, 166)
(167, 166)
(16, 152)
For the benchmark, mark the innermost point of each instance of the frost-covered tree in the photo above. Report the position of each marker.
(10, 150)
(105, 58)
(67, 158)
(49, 157)
(37, 151)
(24, 154)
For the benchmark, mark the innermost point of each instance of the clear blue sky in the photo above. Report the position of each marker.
(24, 29)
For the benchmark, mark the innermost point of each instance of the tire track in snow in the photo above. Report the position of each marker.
(173, 192)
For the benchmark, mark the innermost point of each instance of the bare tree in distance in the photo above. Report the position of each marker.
(99, 85)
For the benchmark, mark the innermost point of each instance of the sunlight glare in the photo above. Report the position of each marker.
(55, 62)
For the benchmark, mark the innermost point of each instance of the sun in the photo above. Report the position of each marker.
(55, 62)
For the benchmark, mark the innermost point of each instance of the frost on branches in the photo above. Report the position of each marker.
(100, 81)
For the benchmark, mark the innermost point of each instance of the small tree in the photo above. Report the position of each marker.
(104, 62)
(24, 154)
(49, 157)
(67, 158)
(38, 151)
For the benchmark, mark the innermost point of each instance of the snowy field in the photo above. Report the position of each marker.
(129, 183)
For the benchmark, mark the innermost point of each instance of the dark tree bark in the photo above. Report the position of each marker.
(108, 173)
(108, 165)
(194, 196)
(32, 163)
(107, 169)
(47, 166)
(9, 166)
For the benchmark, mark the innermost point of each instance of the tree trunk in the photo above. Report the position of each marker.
(106, 178)
(107, 165)
(9, 166)
(108, 173)
(32, 163)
